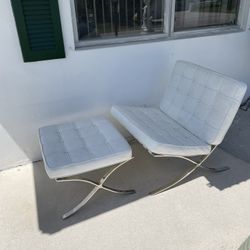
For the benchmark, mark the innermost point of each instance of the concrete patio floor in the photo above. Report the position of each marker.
(207, 211)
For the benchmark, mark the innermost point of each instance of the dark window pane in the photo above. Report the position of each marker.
(191, 14)
(118, 18)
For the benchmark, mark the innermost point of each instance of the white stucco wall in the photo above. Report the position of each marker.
(87, 82)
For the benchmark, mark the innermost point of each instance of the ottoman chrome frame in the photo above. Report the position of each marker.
(97, 186)
(78, 147)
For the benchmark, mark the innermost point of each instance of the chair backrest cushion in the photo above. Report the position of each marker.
(202, 101)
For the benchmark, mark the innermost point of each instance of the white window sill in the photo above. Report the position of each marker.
(113, 42)
(206, 32)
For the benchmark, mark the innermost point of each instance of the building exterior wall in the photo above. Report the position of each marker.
(88, 82)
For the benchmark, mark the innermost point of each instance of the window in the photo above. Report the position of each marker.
(98, 19)
(131, 20)
(191, 14)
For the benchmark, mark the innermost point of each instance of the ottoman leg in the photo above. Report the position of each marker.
(95, 189)
(81, 204)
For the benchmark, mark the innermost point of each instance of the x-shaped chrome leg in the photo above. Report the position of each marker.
(97, 186)
(197, 165)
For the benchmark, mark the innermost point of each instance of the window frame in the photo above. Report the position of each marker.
(168, 31)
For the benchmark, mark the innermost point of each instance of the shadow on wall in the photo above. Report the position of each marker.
(144, 173)
(41, 93)
(7, 148)
(19, 133)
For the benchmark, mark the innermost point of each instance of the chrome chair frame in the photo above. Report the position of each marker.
(97, 186)
(197, 165)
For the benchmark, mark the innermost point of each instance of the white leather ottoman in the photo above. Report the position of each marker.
(78, 147)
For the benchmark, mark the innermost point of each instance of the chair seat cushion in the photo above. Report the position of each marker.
(77, 147)
(158, 132)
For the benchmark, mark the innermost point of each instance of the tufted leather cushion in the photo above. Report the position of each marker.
(203, 101)
(77, 147)
(158, 132)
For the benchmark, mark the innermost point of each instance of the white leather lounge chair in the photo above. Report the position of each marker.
(192, 119)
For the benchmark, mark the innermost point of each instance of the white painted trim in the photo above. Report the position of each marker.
(172, 16)
(123, 40)
(167, 16)
(162, 37)
(74, 21)
(243, 13)
(207, 31)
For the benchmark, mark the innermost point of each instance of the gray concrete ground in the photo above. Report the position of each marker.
(206, 211)
(237, 140)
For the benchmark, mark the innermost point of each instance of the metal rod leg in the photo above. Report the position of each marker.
(216, 170)
(97, 186)
(118, 191)
(197, 165)
(81, 204)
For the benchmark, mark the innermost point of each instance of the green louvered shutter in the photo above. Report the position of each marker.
(39, 29)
